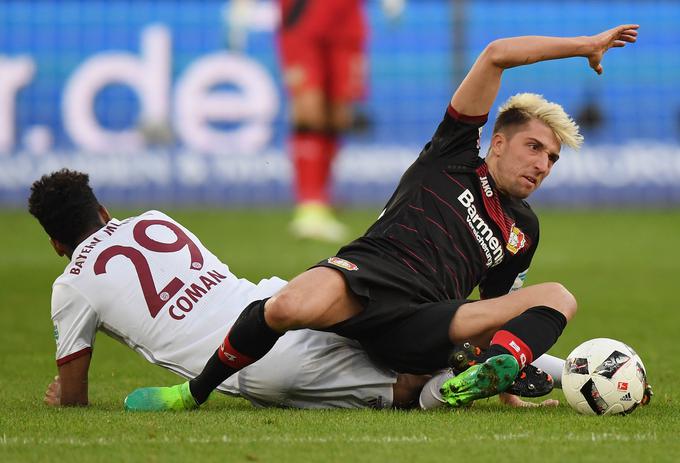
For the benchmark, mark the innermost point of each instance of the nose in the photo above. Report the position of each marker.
(542, 164)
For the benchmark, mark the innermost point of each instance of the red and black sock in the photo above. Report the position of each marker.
(249, 339)
(529, 335)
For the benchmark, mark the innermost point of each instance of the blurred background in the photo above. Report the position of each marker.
(181, 102)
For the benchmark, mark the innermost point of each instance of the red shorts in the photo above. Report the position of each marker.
(322, 47)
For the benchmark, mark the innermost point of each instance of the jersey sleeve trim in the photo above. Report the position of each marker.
(73, 356)
(465, 118)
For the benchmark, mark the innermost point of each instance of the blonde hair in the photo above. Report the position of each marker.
(520, 108)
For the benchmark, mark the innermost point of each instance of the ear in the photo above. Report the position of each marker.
(498, 140)
(59, 248)
(104, 214)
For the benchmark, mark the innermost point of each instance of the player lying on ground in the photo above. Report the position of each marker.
(456, 221)
(110, 284)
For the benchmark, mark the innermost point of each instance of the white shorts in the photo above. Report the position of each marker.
(314, 369)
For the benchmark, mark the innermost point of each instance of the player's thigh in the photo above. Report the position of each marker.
(309, 110)
(318, 298)
(476, 322)
(416, 343)
(347, 84)
(304, 70)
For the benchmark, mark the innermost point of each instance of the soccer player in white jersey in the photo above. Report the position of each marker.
(150, 283)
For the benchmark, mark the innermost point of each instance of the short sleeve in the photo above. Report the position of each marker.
(75, 323)
(458, 135)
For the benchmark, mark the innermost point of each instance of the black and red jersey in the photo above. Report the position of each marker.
(447, 224)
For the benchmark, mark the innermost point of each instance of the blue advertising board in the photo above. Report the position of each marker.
(149, 98)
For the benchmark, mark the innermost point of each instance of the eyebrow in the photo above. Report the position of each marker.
(556, 156)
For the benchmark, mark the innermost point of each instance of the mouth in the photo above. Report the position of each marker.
(530, 179)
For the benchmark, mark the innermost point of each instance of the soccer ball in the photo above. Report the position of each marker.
(604, 377)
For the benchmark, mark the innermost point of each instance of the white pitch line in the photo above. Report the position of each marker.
(6, 440)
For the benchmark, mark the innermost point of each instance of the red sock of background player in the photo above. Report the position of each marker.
(311, 162)
(529, 335)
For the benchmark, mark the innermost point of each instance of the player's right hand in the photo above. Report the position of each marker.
(53, 393)
(615, 37)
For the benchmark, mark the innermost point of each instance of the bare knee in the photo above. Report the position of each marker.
(561, 299)
(309, 109)
(317, 298)
(283, 311)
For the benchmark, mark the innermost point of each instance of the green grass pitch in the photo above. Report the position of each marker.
(624, 268)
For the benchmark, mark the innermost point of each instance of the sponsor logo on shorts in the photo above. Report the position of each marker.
(342, 263)
(622, 386)
(516, 240)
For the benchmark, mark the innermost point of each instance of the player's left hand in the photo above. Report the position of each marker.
(53, 393)
(515, 402)
(612, 38)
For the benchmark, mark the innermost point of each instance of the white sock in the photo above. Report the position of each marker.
(551, 365)
(430, 397)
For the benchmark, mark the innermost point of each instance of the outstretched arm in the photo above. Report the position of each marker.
(477, 92)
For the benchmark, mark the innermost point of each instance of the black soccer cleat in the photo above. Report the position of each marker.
(465, 357)
(531, 381)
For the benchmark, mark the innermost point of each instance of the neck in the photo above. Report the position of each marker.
(491, 164)
(81, 238)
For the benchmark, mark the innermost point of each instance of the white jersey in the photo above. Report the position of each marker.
(150, 283)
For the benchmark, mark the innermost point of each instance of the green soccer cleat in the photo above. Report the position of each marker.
(480, 381)
(315, 221)
(156, 399)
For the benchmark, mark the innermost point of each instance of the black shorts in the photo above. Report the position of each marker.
(400, 326)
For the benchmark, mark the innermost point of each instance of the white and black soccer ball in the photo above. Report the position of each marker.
(604, 377)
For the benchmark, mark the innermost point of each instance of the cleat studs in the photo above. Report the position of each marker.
(467, 345)
(531, 387)
(539, 371)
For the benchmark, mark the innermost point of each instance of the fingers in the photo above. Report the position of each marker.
(633, 27)
(515, 402)
(627, 34)
(550, 403)
(627, 29)
(51, 398)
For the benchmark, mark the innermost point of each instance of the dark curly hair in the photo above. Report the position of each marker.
(65, 205)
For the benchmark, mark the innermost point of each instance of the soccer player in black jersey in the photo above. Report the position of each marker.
(456, 221)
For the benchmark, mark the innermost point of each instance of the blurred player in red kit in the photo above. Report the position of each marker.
(322, 47)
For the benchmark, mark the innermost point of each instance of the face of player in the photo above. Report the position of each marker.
(522, 160)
